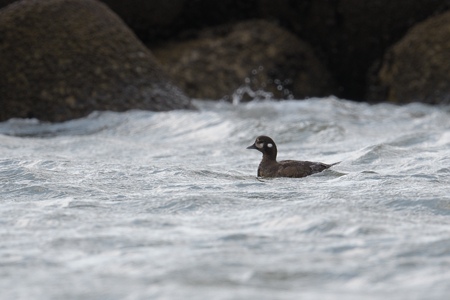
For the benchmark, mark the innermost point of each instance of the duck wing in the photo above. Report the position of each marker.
(295, 168)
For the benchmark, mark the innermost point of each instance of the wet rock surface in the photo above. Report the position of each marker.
(255, 54)
(351, 39)
(64, 59)
(417, 68)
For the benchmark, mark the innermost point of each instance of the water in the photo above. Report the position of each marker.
(144, 205)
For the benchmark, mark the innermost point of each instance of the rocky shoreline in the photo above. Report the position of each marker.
(62, 59)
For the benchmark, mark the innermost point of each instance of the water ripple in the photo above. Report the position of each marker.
(140, 205)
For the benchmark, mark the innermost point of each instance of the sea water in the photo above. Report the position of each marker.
(167, 205)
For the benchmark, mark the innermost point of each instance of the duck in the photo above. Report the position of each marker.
(270, 167)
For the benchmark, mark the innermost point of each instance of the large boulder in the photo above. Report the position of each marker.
(257, 54)
(62, 59)
(417, 68)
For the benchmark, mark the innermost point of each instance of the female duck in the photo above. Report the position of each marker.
(270, 167)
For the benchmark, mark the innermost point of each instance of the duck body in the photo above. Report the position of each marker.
(270, 167)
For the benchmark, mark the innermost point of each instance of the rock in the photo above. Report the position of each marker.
(349, 35)
(255, 53)
(61, 60)
(417, 68)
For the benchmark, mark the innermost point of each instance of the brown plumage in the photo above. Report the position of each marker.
(270, 167)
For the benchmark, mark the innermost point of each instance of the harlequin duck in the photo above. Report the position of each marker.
(270, 167)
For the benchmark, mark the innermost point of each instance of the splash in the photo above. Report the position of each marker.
(256, 87)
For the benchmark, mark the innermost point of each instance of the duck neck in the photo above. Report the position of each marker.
(270, 154)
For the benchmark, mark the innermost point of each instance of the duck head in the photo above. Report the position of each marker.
(266, 146)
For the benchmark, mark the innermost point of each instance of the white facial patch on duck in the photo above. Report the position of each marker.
(269, 145)
(259, 145)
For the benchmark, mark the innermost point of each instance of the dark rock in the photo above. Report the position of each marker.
(417, 68)
(61, 60)
(346, 35)
(349, 35)
(219, 61)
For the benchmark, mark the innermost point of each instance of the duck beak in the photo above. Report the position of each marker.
(252, 147)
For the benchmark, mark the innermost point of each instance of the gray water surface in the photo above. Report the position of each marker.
(144, 205)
